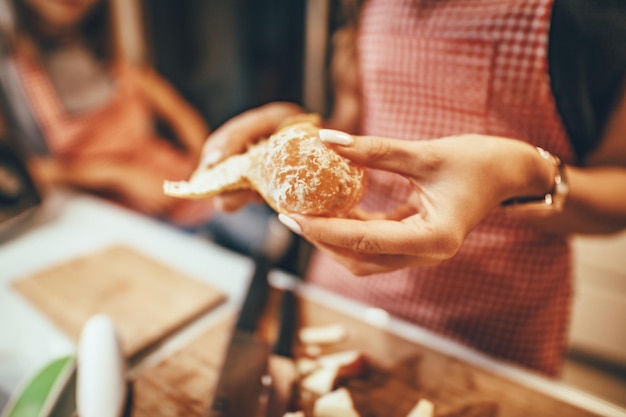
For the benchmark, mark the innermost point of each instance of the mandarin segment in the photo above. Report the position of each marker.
(294, 171)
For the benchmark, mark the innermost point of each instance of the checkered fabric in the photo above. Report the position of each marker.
(121, 130)
(434, 68)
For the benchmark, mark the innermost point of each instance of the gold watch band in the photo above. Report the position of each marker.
(553, 200)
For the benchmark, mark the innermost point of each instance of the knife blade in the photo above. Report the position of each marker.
(284, 396)
(242, 382)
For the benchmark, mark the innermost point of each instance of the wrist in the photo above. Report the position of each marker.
(547, 188)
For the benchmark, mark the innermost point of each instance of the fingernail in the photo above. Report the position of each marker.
(211, 158)
(335, 136)
(290, 223)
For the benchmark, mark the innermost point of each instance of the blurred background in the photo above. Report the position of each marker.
(227, 56)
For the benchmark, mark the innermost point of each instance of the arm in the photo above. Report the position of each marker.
(597, 199)
(456, 182)
(170, 106)
(139, 187)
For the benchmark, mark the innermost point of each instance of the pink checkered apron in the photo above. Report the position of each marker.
(120, 130)
(434, 68)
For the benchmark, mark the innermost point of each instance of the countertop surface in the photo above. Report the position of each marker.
(70, 225)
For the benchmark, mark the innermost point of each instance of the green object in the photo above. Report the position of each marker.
(45, 387)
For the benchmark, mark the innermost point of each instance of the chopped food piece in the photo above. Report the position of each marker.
(305, 366)
(322, 334)
(294, 414)
(312, 351)
(350, 363)
(325, 372)
(423, 408)
(321, 381)
(293, 170)
(335, 404)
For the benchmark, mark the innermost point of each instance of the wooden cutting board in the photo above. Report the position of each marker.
(146, 299)
(182, 384)
(401, 373)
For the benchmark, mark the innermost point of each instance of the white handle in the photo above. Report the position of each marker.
(101, 382)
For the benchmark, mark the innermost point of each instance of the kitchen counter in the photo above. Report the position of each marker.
(71, 225)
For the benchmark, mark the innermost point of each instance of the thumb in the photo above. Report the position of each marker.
(237, 133)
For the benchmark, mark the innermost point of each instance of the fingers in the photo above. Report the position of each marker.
(405, 210)
(400, 156)
(360, 214)
(363, 265)
(237, 133)
(373, 247)
(379, 237)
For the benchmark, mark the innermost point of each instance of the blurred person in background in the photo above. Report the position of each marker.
(96, 114)
(464, 229)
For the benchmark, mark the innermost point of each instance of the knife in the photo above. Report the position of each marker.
(96, 384)
(102, 389)
(243, 381)
(284, 396)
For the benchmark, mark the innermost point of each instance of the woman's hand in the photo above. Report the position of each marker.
(141, 188)
(234, 136)
(455, 182)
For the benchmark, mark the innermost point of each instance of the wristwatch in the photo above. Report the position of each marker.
(553, 200)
